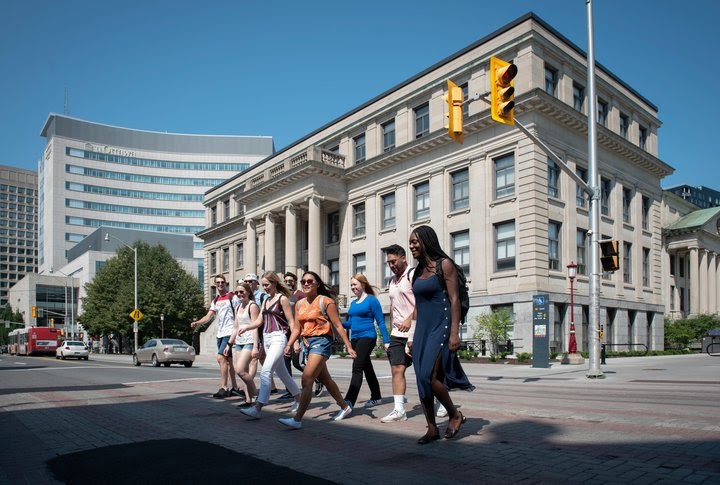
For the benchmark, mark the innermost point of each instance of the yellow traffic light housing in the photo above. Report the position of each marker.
(52, 323)
(33, 311)
(455, 100)
(610, 256)
(502, 91)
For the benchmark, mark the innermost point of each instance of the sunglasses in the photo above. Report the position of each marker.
(219, 282)
(241, 292)
(308, 282)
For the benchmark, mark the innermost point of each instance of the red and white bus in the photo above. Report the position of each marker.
(33, 341)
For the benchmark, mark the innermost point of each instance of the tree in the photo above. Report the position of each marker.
(494, 327)
(163, 287)
(679, 334)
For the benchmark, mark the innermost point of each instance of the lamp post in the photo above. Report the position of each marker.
(573, 357)
(162, 325)
(72, 299)
(134, 250)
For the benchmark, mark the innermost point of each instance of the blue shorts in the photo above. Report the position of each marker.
(321, 345)
(222, 342)
(239, 347)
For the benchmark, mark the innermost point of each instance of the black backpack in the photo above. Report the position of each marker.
(463, 290)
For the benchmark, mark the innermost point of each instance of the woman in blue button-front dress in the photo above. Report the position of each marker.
(437, 330)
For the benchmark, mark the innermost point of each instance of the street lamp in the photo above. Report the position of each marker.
(162, 325)
(72, 299)
(573, 357)
(134, 250)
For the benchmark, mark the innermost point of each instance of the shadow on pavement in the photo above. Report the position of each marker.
(173, 461)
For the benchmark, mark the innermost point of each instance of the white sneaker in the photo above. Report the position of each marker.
(291, 423)
(251, 412)
(441, 412)
(395, 415)
(344, 413)
(293, 409)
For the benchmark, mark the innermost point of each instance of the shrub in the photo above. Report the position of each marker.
(524, 357)
(494, 327)
(379, 353)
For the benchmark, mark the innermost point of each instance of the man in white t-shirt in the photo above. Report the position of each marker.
(402, 312)
(222, 309)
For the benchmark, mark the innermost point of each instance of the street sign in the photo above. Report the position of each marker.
(136, 314)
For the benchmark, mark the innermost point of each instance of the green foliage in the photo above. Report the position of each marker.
(494, 327)
(163, 287)
(379, 353)
(524, 357)
(679, 334)
(467, 354)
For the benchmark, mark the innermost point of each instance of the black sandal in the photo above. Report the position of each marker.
(428, 437)
(450, 432)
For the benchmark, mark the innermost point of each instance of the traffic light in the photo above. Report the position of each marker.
(502, 91)
(52, 323)
(610, 256)
(33, 311)
(455, 100)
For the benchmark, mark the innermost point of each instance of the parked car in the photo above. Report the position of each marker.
(71, 348)
(165, 351)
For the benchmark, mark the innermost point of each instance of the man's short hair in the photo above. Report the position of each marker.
(291, 275)
(395, 249)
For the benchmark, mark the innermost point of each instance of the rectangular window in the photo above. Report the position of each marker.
(422, 120)
(624, 125)
(388, 211)
(578, 97)
(553, 179)
(386, 272)
(551, 80)
(605, 189)
(460, 243)
(460, 181)
(334, 266)
(580, 199)
(359, 264)
(466, 105)
(333, 227)
(388, 134)
(554, 229)
(681, 266)
(672, 265)
(226, 210)
(359, 219)
(359, 144)
(645, 212)
(239, 255)
(213, 263)
(581, 247)
(504, 176)
(646, 267)
(505, 246)
(643, 138)
(422, 201)
(627, 262)
(602, 114)
(226, 260)
(627, 204)
(213, 215)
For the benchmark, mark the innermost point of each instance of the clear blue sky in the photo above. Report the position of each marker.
(285, 68)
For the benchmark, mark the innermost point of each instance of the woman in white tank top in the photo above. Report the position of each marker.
(246, 344)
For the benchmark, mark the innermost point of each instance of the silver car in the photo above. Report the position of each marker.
(165, 351)
(71, 348)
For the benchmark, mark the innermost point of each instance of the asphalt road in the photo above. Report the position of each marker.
(649, 420)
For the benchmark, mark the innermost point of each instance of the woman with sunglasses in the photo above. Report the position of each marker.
(246, 345)
(316, 315)
(276, 316)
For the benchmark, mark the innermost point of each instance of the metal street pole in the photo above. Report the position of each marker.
(134, 250)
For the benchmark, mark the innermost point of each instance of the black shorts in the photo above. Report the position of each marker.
(396, 352)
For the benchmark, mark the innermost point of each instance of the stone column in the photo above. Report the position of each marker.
(703, 278)
(291, 254)
(250, 247)
(270, 243)
(712, 284)
(314, 233)
(694, 283)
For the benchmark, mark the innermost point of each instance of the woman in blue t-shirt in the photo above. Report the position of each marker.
(364, 312)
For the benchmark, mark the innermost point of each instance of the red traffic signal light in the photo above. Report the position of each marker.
(610, 255)
(502, 90)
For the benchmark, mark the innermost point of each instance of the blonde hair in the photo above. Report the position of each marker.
(280, 287)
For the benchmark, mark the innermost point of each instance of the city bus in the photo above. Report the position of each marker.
(33, 341)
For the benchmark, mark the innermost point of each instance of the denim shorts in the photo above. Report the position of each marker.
(239, 347)
(396, 352)
(222, 342)
(320, 344)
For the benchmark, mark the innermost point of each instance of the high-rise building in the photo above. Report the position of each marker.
(18, 227)
(701, 196)
(93, 175)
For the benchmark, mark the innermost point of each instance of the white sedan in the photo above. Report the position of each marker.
(71, 348)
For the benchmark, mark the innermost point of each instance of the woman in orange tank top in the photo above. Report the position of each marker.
(314, 316)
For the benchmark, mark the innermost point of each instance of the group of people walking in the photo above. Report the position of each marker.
(425, 313)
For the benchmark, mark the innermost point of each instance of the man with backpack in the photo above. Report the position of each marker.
(222, 309)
